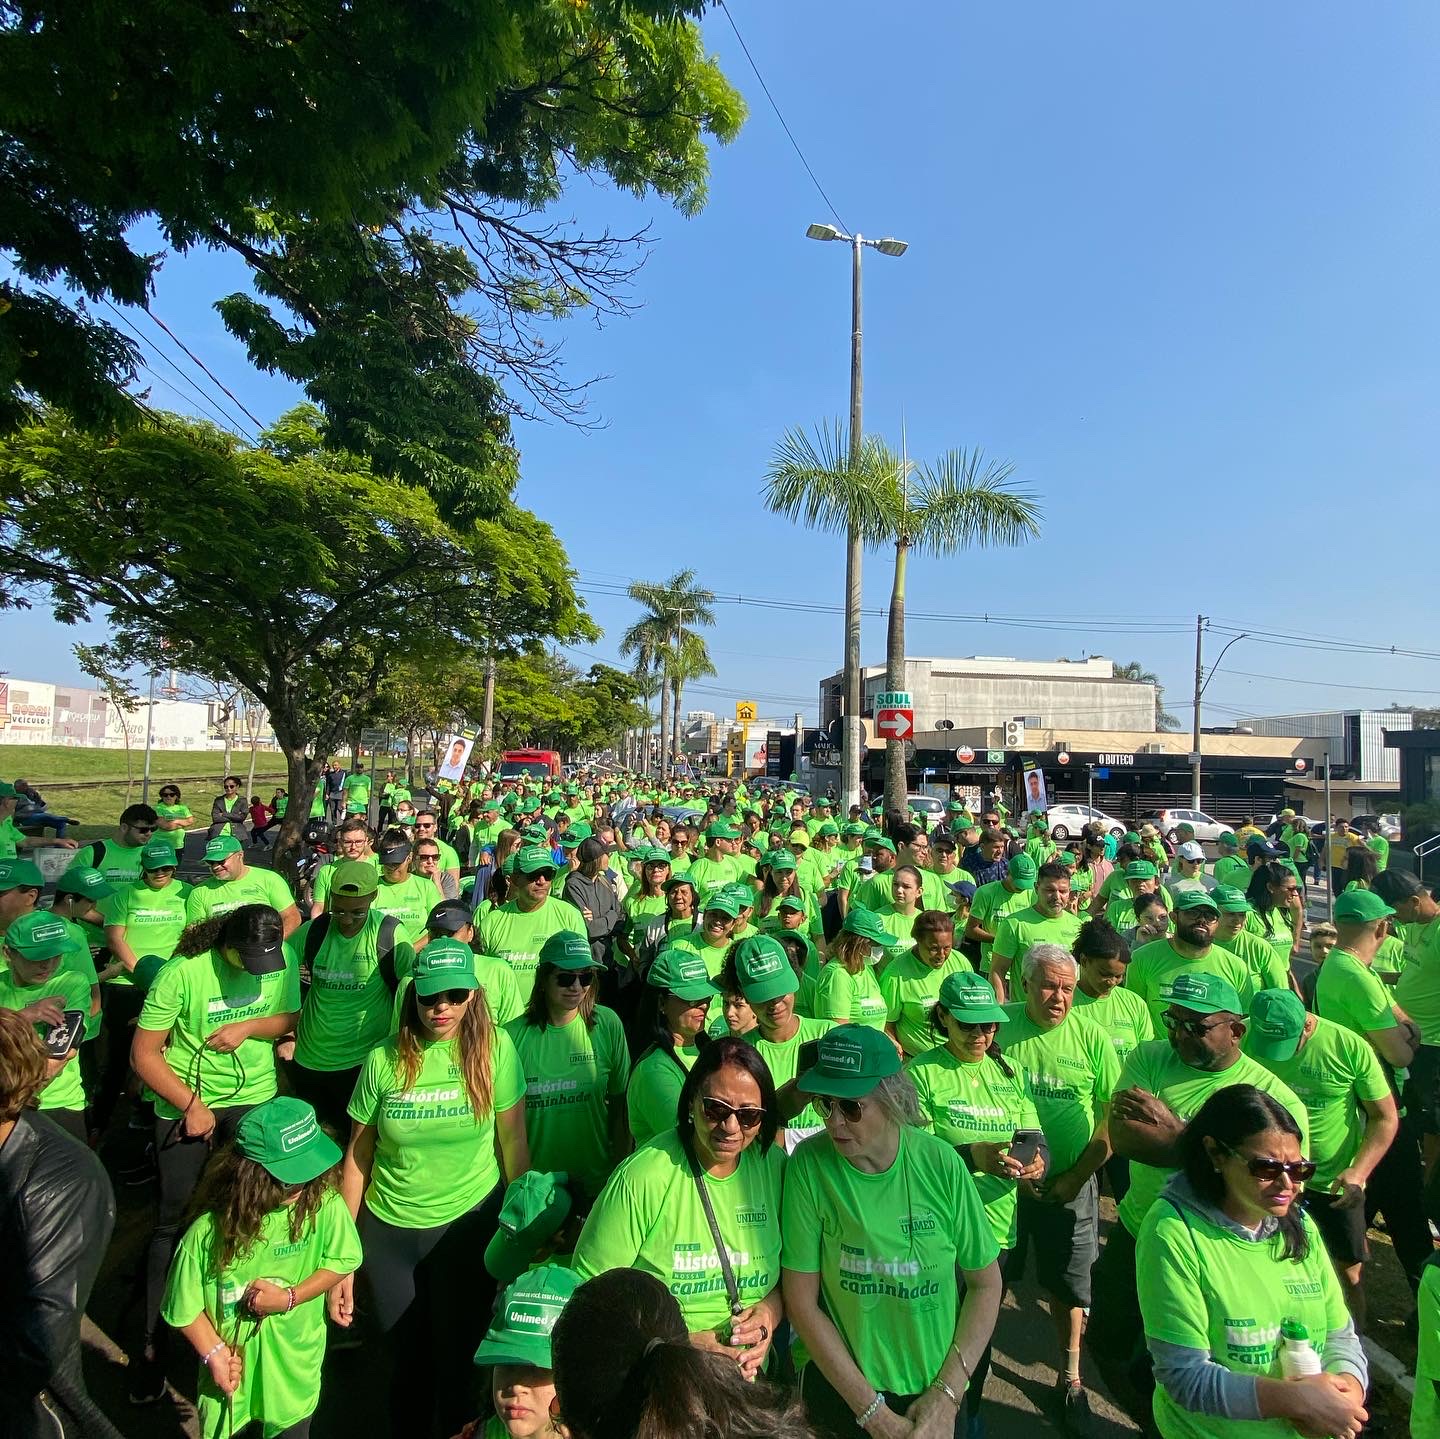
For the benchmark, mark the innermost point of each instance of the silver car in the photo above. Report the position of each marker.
(1067, 820)
(1204, 827)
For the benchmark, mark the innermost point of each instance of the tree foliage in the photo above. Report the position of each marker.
(542, 699)
(1134, 670)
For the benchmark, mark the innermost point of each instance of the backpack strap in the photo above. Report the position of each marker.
(385, 951)
(315, 937)
(97, 853)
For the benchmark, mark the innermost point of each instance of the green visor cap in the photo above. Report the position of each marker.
(722, 829)
(1203, 993)
(866, 923)
(535, 1206)
(38, 936)
(851, 1060)
(20, 874)
(1229, 900)
(1277, 1020)
(520, 1332)
(567, 950)
(763, 969)
(1196, 899)
(159, 854)
(86, 880)
(283, 1138)
(970, 999)
(1360, 906)
(1022, 870)
(682, 972)
(444, 964)
(1141, 869)
(534, 859)
(779, 859)
(726, 901)
(221, 847)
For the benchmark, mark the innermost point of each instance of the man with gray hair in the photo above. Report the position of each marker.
(1073, 1070)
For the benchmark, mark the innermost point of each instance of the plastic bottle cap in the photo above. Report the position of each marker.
(1294, 1329)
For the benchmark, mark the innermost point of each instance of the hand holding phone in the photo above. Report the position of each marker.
(1025, 1146)
(63, 1037)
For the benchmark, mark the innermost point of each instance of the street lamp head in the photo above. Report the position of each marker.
(823, 232)
(891, 246)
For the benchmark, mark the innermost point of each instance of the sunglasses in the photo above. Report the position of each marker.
(1299, 1170)
(144, 828)
(453, 997)
(1195, 1028)
(850, 1109)
(161, 869)
(716, 1111)
(569, 978)
(988, 1026)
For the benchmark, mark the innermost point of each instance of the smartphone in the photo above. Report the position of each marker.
(1025, 1146)
(63, 1037)
(808, 1057)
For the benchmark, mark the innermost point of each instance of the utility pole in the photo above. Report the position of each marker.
(1329, 825)
(149, 740)
(487, 724)
(1195, 738)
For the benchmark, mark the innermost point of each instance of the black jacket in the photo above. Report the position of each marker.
(606, 917)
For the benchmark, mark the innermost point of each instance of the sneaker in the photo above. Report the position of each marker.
(1074, 1409)
(147, 1381)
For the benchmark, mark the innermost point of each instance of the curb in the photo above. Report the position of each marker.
(1385, 1367)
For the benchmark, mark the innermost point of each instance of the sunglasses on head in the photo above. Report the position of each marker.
(452, 997)
(569, 978)
(716, 1111)
(1300, 1171)
(850, 1109)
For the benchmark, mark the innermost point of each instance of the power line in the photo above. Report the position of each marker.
(814, 180)
(258, 423)
(1332, 685)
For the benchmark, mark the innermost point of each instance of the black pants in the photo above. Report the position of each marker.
(431, 1296)
(72, 1121)
(62, 1410)
(179, 1162)
(121, 1006)
(327, 1090)
(1117, 1176)
(1115, 1335)
(1397, 1190)
(830, 1415)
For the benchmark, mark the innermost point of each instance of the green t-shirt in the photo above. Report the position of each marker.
(282, 1357)
(911, 988)
(1352, 995)
(119, 863)
(153, 919)
(1157, 1068)
(653, 1094)
(991, 903)
(886, 1247)
(1122, 1014)
(11, 837)
(410, 901)
(325, 877)
(497, 983)
(977, 1104)
(357, 790)
(650, 1217)
(1380, 847)
(174, 837)
(1390, 957)
(1232, 870)
(1268, 968)
(783, 1059)
(195, 996)
(1425, 1407)
(1418, 989)
(899, 927)
(709, 875)
(1072, 1070)
(346, 1012)
(434, 1160)
(65, 1090)
(1331, 1073)
(572, 1074)
(1280, 936)
(845, 998)
(1020, 928)
(1203, 1287)
(1120, 911)
(876, 892)
(1155, 964)
(518, 938)
(256, 886)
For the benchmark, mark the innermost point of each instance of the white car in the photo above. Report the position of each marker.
(1067, 820)
(926, 804)
(1204, 827)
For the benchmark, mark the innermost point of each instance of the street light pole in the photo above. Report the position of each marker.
(149, 740)
(1202, 683)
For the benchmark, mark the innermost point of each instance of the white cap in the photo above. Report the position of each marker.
(1190, 850)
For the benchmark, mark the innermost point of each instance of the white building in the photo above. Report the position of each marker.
(1357, 744)
(37, 712)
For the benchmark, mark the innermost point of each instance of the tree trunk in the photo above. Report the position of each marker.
(227, 719)
(896, 788)
(850, 758)
(664, 729)
(302, 774)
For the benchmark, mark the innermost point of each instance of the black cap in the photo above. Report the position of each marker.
(261, 958)
(395, 854)
(449, 917)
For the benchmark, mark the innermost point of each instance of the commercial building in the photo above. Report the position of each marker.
(37, 712)
(1364, 772)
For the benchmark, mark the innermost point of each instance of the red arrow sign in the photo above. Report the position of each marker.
(895, 724)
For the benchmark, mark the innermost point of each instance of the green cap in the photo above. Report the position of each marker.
(1130, 837)
(579, 832)
(683, 878)
(879, 841)
(956, 806)
(533, 858)
(222, 847)
(866, 923)
(722, 829)
(853, 829)
(851, 1060)
(1141, 869)
(792, 901)
(536, 834)
(826, 829)
(86, 880)
(763, 969)
(779, 859)
(1227, 839)
(444, 964)
(159, 854)
(741, 893)
(970, 998)
(1229, 900)
(1196, 899)
(519, 1334)
(726, 901)
(38, 936)
(1277, 1020)
(567, 950)
(1204, 993)
(1022, 871)
(535, 1206)
(683, 973)
(654, 854)
(489, 805)
(355, 878)
(7, 790)
(146, 968)
(1066, 857)
(1360, 906)
(283, 1137)
(20, 874)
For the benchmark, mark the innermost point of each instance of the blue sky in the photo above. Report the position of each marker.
(1175, 263)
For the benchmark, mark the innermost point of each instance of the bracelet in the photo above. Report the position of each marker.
(291, 1304)
(876, 1405)
(210, 1353)
(942, 1387)
(955, 1350)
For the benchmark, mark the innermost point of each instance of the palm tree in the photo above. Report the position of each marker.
(1134, 670)
(691, 661)
(960, 501)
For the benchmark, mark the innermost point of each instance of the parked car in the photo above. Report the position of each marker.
(1067, 820)
(1389, 824)
(1204, 826)
(926, 805)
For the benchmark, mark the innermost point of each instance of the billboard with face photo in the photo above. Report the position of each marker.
(1036, 797)
(454, 756)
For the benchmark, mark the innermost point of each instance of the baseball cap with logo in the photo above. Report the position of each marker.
(722, 829)
(444, 964)
(38, 936)
(1277, 1020)
(683, 973)
(221, 847)
(879, 841)
(1190, 850)
(793, 902)
(1358, 906)
(726, 901)
(970, 998)
(535, 1206)
(85, 880)
(1130, 837)
(283, 1138)
(159, 854)
(827, 829)
(534, 859)
(1195, 899)
(1203, 993)
(850, 1061)
(520, 1332)
(853, 830)
(1140, 869)
(567, 950)
(763, 969)
(1229, 900)
(448, 917)
(779, 859)
(1263, 849)
(866, 923)
(1022, 871)
(355, 878)
(394, 854)
(20, 874)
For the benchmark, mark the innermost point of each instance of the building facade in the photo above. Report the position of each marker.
(1355, 739)
(37, 712)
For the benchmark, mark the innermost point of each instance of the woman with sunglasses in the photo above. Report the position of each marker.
(173, 818)
(847, 991)
(882, 1227)
(678, 995)
(1227, 1262)
(576, 1065)
(437, 1108)
(652, 1215)
(228, 811)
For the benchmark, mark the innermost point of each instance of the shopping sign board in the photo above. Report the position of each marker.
(898, 700)
(895, 723)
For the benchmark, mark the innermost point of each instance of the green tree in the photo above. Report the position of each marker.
(1134, 670)
(387, 173)
(303, 579)
(962, 501)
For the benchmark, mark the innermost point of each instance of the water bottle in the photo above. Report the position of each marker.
(1298, 1359)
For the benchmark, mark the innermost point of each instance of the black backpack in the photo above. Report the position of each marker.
(384, 946)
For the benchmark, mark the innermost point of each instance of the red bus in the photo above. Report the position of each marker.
(530, 764)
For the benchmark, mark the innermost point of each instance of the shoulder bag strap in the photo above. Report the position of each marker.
(732, 1289)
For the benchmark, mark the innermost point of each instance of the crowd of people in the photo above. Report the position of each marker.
(613, 1107)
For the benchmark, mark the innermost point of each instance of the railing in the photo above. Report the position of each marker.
(1428, 846)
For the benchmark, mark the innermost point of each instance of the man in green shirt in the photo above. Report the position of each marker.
(1048, 919)
(1230, 868)
(717, 867)
(993, 901)
(1190, 950)
(118, 859)
(233, 883)
(357, 790)
(516, 931)
(12, 838)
